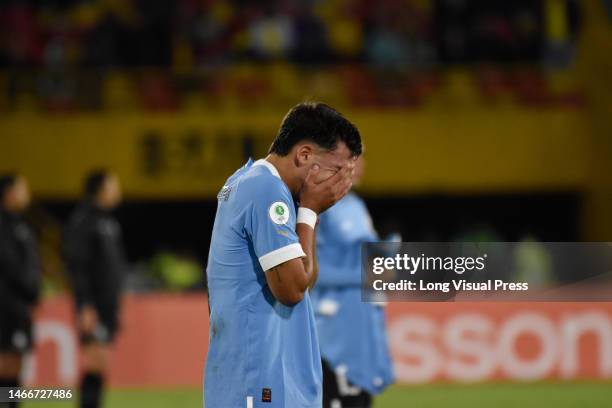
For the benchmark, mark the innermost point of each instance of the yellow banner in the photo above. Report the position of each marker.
(190, 155)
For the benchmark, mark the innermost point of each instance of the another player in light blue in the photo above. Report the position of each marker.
(352, 334)
(263, 349)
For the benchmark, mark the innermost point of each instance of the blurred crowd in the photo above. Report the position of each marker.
(66, 55)
(192, 33)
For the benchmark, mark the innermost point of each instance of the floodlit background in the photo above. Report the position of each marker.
(483, 120)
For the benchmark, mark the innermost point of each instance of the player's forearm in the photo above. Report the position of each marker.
(315, 262)
(306, 235)
(81, 283)
(290, 280)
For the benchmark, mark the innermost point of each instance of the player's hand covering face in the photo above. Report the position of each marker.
(328, 180)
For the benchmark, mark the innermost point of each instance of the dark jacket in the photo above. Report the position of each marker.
(94, 257)
(19, 269)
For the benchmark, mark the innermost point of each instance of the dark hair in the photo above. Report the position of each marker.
(6, 182)
(94, 181)
(319, 123)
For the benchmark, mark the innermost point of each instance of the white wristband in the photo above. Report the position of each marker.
(307, 216)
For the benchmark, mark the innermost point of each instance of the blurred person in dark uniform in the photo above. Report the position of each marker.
(19, 278)
(95, 261)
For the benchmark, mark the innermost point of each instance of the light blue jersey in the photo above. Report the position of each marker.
(352, 333)
(261, 353)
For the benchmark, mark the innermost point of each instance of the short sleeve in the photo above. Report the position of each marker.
(271, 225)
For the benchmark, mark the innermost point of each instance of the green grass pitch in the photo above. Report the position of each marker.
(502, 395)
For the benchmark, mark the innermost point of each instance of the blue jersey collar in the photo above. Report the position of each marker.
(268, 165)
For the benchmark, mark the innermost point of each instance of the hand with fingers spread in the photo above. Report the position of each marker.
(320, 195)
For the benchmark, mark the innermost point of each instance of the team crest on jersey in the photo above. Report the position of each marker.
(279, 213)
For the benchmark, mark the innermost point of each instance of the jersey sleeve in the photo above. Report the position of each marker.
(271, 225)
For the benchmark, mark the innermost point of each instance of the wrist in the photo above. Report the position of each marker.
(309, 206)
(307, 216)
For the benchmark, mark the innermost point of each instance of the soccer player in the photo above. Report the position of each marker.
(263, 349)
(356, 362)
(19, 278)
(95, 261)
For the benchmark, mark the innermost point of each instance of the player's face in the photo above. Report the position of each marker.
(19, 195)
(331, 162)
(110, 195)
